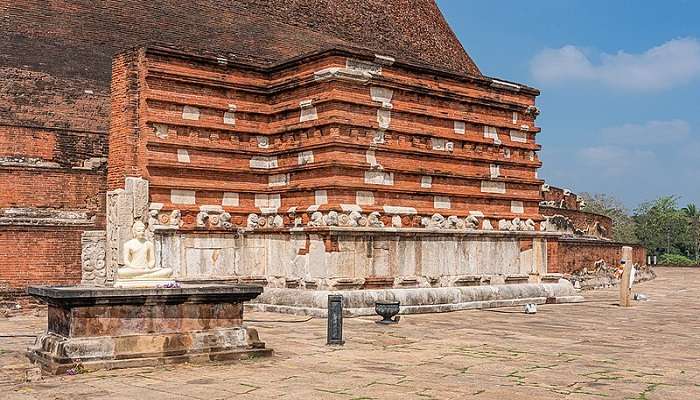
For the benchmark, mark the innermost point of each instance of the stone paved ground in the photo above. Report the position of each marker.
(593, 350)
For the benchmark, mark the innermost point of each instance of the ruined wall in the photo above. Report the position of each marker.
(574, 255)
(41, 255)
(52, 185)
(334, 133)
(564, 203)
(337, 258)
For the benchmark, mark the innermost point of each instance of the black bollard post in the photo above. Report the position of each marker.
(335, 320)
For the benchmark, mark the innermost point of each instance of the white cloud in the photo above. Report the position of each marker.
(615, 160)
(652, 132)
(674, 63)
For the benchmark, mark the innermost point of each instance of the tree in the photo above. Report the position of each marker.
(662, 227)
(604, 204)
(692, 213)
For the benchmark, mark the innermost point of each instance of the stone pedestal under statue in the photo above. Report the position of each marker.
(106, 328)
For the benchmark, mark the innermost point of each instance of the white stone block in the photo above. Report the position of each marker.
(211, 208)
(518, 136)
(230, 200)
(491, 132)
(185, 197)
(385, 60)
(493, 187)
(516, 116)
(363, 198)
(190, 113)
(442, 202)
(313, 208)
(460, 127)
(268, 201)
(378, 137)
(230, 118)
(363, 66)
(476, 213)
(517, 207)
(438, 144)
(506, 153)
(350, 207)
(371, 158)
(379, 178)
(161, 130)
(426, 182)
(306, 157)
(263, 162)
(380, 94)
(278, 180)
(183, 156)
(321, 197)
(397, 210)
(495, 171)
(308, 111)
(384, 118)
(263, 141)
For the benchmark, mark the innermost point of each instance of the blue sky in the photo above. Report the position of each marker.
(620, 84)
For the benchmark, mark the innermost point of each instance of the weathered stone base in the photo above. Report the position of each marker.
(56, 354)
(117, 328)
(415, 301)
(143, 283)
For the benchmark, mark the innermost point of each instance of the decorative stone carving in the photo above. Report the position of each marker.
(487, 225)
(472, 222)
(202, 218)
(557, 223)
(453, 222)
(139, 260)
(252, 221)
(331, 219)
(396, 221)
(94, 258)
(316, 219)
(137, 188)
(505, 225)
(277, 222)
(374, 220)
(529, 225)
(225, 220)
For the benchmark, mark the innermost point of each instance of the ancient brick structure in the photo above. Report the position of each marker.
(335, 131)
(339, 144)
(55, 74)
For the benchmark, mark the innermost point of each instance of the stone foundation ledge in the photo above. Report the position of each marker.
(416, 300)
(56, 354)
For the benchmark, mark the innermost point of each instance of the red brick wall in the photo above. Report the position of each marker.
(582, 220)
(561, 200)
(150, 88)
(124, 125)
(40, 256)
(573, 255)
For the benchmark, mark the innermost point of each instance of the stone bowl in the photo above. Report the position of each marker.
(387, 309)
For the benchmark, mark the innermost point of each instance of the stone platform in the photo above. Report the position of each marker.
(416, 300)
(106, 328)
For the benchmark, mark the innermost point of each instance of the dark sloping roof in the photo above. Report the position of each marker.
(70, 43)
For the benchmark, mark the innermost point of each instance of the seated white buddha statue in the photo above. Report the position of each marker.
(139, 258)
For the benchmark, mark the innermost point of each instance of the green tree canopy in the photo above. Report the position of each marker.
(604, 204)
(664, 228)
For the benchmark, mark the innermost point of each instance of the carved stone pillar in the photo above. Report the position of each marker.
(94, 258)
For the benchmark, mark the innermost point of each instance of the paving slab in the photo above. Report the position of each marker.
(591, 350)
